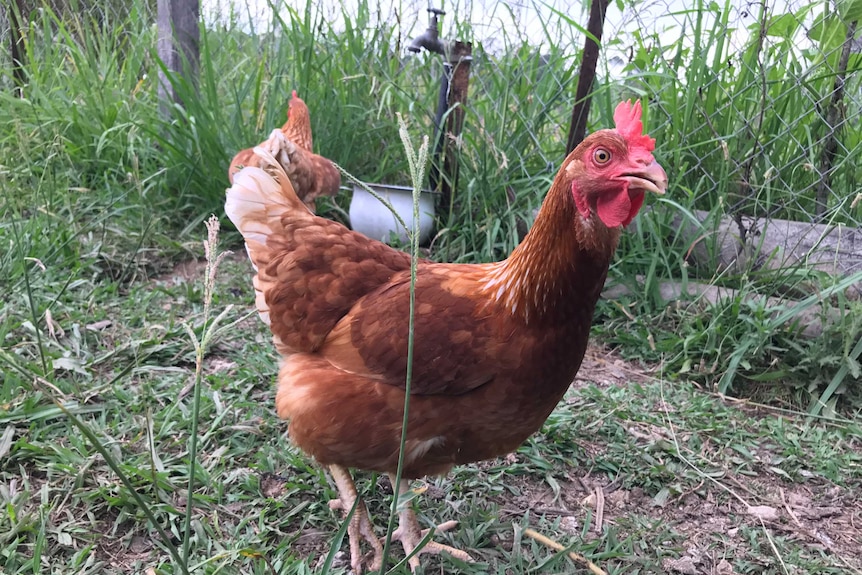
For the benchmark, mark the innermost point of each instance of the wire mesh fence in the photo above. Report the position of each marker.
(758, 103)
(775, 108)
(756, 109)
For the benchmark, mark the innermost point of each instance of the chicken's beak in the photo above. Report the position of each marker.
(651, 178)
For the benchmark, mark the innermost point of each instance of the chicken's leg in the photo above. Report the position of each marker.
(360, 525)
(410, 534)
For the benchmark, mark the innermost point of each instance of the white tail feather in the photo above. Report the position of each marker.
(256, 203)
(259, 190)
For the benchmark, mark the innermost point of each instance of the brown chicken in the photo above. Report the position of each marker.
(312, 176)
(497, 345)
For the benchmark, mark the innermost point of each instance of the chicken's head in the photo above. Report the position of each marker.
(612, 169)
(296, 108)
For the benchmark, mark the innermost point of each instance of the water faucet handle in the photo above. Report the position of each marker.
(436, 11)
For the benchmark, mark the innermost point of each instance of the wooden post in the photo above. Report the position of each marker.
(834, 112)
(587, 75)
(179, 36)
(460, 58)
(17, 18)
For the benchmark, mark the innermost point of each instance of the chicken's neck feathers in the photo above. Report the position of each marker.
(560, 267)
(298, 130)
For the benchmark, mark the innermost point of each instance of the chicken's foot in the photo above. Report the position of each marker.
(360, 526)
(280, 147)
(410, 534)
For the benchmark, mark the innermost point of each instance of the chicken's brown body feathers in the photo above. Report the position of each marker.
(478, 391)
(312, 176)
(317, 271)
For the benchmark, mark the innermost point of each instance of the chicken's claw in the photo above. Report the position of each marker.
(410, 534)
(360, 526)
(280, 147)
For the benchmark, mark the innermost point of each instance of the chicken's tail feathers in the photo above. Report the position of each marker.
(261, 195)
(274, 157)
(257, 203)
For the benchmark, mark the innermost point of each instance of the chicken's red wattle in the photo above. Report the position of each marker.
(619, 209)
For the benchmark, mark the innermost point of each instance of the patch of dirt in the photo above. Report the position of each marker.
(824, 518)
(604, 368)
(183, 272)
(126, 549)
(192, 270)
(817, 515)
(272, 485)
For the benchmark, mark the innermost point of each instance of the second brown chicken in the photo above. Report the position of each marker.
(311, 175)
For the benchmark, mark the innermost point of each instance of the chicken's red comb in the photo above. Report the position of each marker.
(627, 118)
(290, 104)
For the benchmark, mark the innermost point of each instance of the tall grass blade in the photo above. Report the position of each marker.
(418, 162)
(209, 328)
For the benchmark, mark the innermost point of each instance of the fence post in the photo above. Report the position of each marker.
(460, 58)
(179, 35)
(17, 18)
(587, 75)
(834, 120)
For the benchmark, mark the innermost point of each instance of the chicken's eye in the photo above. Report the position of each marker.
(601, 156)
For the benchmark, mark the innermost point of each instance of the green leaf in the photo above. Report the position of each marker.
(769, 375)
(854, 367)
(70, 364)
(829, 31)
(660, 499)
(850, 10)
(6, 440)
(783, 26)
(781, 472)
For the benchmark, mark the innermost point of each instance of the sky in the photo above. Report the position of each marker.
(536, 20)
(489, 17)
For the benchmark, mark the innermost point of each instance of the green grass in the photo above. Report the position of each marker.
(101, 198)
(665, 446)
